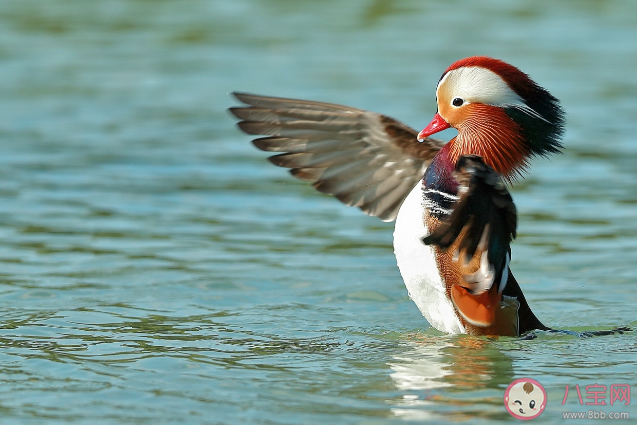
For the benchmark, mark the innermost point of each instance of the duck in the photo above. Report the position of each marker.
(455, 218)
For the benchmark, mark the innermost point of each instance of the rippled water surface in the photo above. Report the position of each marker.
(156, 269)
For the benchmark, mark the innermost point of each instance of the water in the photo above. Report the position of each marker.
(156, 269)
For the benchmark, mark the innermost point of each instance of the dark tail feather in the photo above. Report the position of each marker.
(529, 323)
(586, 334)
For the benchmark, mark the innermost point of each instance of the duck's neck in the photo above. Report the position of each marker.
(439, 174)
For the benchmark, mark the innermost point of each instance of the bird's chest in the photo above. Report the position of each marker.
(429, 272)
(419, 267)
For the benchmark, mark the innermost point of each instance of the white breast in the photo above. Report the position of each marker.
(418, 266)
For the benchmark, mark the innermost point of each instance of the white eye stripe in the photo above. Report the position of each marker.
(477, 84)
(474, 84)
(442, 80)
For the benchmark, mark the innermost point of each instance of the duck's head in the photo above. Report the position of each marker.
(500, 113)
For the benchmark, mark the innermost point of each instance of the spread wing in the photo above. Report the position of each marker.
(483, 222)
(364, 159)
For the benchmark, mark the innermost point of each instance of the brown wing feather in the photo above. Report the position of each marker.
(364, 159)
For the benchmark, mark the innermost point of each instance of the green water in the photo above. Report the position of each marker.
(156, 269)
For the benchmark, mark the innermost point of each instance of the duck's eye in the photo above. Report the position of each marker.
(457, 101)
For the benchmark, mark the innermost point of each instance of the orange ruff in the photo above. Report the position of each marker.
(489, 132)
(480, 309)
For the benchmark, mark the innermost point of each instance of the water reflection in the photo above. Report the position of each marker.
(443, 377)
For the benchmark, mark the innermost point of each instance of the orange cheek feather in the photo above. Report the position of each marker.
(454, 116)
(489, 132)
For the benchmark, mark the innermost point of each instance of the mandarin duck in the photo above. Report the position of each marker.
(455, 218)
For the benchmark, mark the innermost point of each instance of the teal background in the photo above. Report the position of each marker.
(156, 269)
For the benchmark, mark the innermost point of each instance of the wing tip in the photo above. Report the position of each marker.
(254, 128)
(241, 96)
(238, 111)
(284, 160)
(263, 143)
